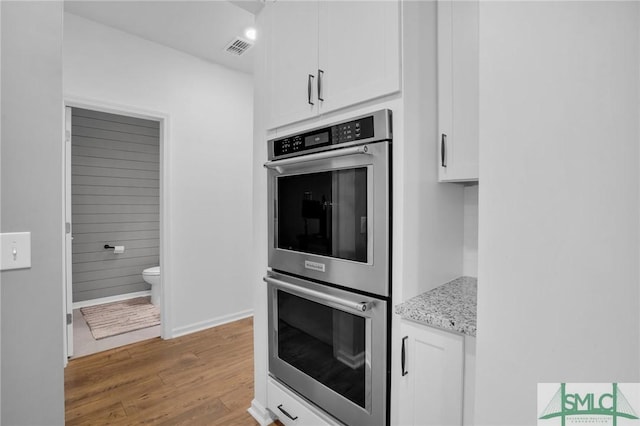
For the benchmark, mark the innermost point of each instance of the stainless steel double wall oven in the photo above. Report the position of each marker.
(329, 254)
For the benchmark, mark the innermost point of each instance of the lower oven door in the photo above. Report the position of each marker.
(330, 346)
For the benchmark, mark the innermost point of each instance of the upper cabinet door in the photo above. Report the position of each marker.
(292, 61)
(359, 52)
(458, 95)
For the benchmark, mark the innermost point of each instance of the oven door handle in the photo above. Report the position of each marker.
(357, 306)
(278, 164)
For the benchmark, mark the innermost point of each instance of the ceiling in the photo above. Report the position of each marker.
(199, 28)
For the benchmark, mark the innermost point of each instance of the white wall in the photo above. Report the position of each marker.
(259, 220)
(470, 245)
(428, 216)
(32, 130)
(558, 297)
(210, 153)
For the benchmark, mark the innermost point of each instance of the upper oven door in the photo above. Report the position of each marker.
(329, 216)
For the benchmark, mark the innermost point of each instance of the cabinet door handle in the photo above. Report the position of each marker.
(320, 76)
(403, 356)
(285, 412)
(443, 150)
(309, 85)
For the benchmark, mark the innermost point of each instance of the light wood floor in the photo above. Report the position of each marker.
(205, 378)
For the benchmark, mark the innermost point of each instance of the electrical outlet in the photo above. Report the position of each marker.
(15, 250)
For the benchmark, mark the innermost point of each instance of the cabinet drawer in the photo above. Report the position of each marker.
(291, 410)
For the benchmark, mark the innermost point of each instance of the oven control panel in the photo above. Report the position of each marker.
(350, 131)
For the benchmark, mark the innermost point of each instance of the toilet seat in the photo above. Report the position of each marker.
(152, 271)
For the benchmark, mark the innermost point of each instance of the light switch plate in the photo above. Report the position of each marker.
(15, 250)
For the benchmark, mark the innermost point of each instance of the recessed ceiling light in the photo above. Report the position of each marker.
(250, 33)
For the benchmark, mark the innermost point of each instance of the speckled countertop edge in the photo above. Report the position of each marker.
(452, 306)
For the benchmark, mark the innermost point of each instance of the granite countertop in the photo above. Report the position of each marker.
(452, 306)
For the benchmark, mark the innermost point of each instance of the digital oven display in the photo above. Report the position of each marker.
(316, 139)
(337, 134)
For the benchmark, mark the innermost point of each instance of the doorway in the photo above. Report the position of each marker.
(113, 226)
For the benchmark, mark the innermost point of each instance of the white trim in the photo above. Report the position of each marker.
(113, 108)
(67, 267)
(203, 325)
(260, 413)
(166, 278)
(73, 100)
(116, 298)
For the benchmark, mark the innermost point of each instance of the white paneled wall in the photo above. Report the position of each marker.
(115, 185)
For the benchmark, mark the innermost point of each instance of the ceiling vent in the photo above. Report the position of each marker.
(238, 46)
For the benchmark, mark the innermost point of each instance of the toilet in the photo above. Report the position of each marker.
(152, 276)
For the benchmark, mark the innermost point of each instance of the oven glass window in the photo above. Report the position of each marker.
(324, 343)
(324, 213)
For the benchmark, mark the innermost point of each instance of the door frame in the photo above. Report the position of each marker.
(165, 236)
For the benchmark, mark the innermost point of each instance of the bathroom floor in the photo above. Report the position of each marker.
(85, 344)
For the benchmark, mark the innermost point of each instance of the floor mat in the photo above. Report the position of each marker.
(115, 318)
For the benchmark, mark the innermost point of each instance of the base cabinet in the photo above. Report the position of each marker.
(432, 386)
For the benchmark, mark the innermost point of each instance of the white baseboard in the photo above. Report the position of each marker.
(203, 325)
(110, 299)
(261, 414)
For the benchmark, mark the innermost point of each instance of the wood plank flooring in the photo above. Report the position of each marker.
(204, 378)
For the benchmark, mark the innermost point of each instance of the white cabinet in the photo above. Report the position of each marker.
(437, 381)
(323, 56)
(359, 51)
(458, 86)
(292, 60)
